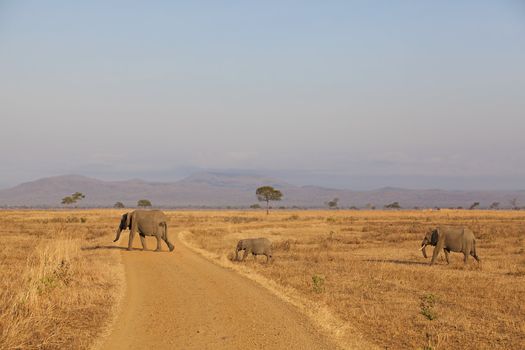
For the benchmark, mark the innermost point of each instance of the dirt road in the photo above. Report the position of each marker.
(180, 300)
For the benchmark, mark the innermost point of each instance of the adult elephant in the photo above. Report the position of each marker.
(146, 223)
(450, 239)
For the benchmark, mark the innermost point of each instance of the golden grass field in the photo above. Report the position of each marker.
(53, 293)
(363, 266)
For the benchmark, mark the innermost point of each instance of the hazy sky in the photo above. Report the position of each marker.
(314, 91)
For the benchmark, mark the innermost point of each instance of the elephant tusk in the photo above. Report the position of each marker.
(422, 247)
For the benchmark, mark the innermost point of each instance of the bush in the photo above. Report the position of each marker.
(318, 283)
(394, 205)
(427, 306)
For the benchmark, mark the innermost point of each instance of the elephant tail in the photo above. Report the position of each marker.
(165, 229)
(165, 234)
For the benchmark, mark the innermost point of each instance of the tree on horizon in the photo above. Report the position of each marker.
(75, 197)
(494, 205)
(474, 205)
(333, 203)
(143, 203)
(393, 205)
(267, 194)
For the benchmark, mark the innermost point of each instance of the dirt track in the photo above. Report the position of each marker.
(180, 300)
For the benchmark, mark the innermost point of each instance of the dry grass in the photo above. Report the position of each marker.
(365, 267)
(55, 293)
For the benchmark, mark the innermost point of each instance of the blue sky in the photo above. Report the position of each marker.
(315, 92)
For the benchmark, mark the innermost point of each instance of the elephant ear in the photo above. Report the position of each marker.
(128, 220)
(434, 237)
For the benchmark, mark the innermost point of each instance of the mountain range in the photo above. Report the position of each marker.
(210, 189)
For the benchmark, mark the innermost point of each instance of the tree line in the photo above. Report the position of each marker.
(269, 194)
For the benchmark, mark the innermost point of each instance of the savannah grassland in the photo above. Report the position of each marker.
(58, 288)
(55, 293)
(365, 267)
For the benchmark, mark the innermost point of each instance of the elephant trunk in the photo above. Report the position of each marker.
(424, 249)
(119, 230)
(239, 247)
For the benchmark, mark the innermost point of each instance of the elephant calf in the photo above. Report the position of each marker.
(256, 246)
(450, 239)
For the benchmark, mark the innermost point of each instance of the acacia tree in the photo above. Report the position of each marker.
(393, 205)
(75, 197)
(68, 200)
(267, 194)
(78, 196)
(474, 205)
(118, 205)
(333, 203)
(144, 203)
(494, 205)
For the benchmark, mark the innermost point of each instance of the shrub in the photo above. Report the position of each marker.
(427, 306)
(318, 283)
(394, 205)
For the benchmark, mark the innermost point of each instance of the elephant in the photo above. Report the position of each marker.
(256, 246)
(146, 223)
(450, 239)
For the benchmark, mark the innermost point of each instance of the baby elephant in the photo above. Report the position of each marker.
(256, 246)
(450, 239)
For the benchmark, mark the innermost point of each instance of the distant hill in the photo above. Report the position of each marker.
(222, 190)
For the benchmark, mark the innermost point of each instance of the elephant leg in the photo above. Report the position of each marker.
(166, 239)
(435, 254)
(466, 251)
(168, 243)
(446, 256)
(131, 236)
(267, 258)
(254, 257)
(246, 252)
(439, 246)
(143, 241)
(158, 244)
